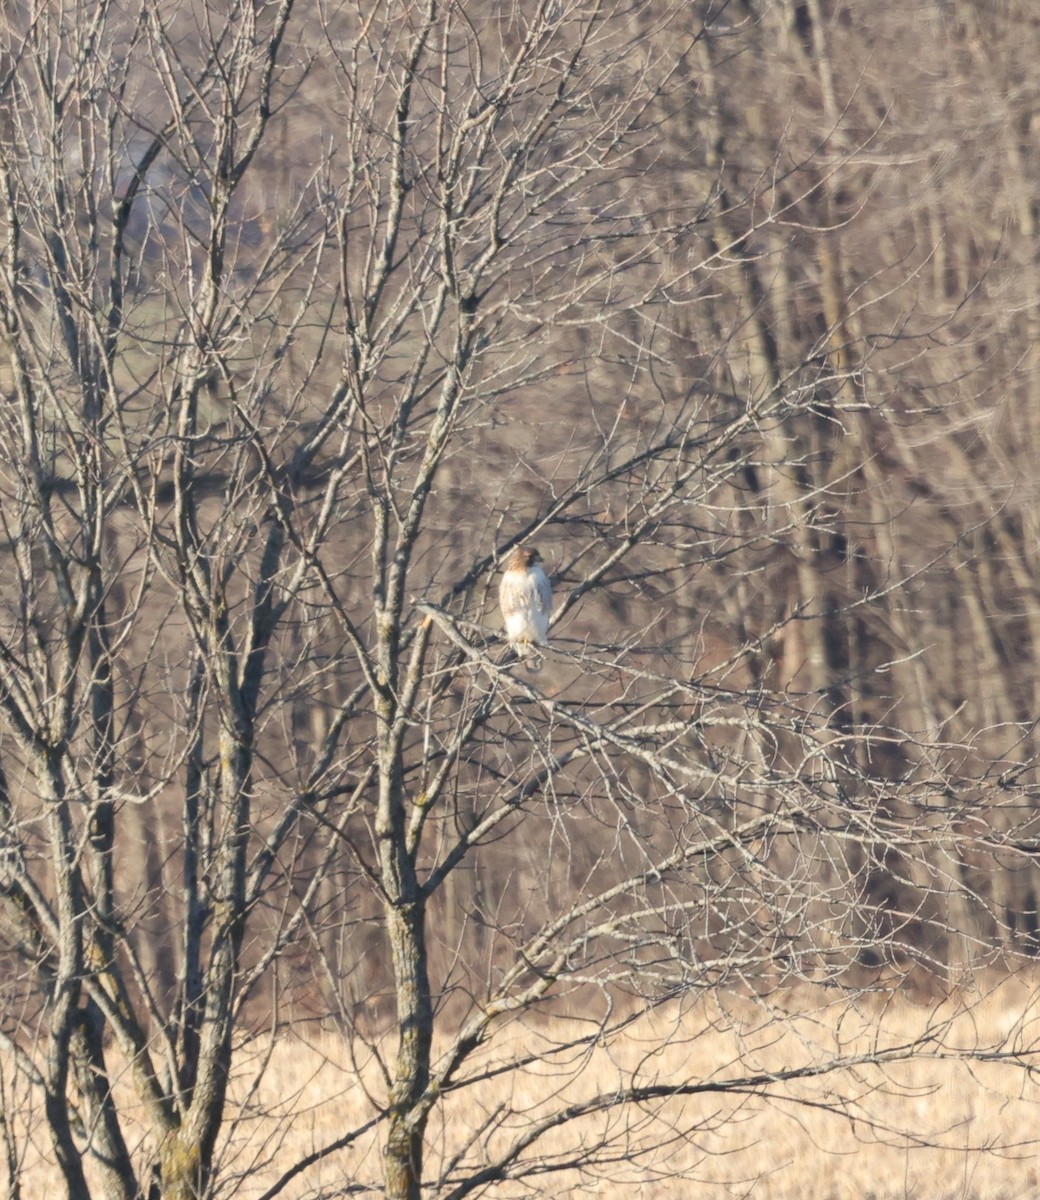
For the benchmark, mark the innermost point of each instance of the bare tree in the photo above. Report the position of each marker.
(309, 318)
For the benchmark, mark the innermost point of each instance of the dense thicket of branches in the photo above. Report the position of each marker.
(309, 316)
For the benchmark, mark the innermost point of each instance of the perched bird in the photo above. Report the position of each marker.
(526, 601)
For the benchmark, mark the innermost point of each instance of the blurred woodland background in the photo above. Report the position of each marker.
(310, 313)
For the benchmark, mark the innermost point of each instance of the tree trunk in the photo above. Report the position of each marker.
(404, 1146)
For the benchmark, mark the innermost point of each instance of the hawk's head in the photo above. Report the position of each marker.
(523, 558)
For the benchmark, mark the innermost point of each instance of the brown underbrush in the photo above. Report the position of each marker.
(926, 1099)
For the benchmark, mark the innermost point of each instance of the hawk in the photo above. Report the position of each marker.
(526, 601)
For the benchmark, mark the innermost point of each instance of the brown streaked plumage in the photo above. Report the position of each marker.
(526, 601)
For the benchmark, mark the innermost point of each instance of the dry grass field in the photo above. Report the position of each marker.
(935, 1128)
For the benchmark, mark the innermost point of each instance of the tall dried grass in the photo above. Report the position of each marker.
(960, 1119)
